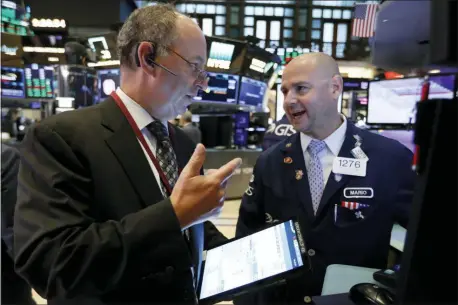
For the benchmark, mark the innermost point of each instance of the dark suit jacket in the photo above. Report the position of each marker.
(193, 132)
(14, 289)
(91, 225)
(277, 194)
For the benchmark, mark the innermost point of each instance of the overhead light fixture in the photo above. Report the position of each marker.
(101, 39)
(49, 23)
(43, 50)
(104, 63)
(53, 59)
(435, 71)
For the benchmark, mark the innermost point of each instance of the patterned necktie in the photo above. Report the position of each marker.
(164, 154)
(315, 172)
(167, 160)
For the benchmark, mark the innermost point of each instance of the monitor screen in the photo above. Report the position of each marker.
(12, 82)
(108, 81)
(405, 137)
(39, 81)
(252, 92)
(242, 120)
(442, 86)
(250, 259)
(240, 137)
(220, 55)
(80, 83)
(222, 88)
(393, 101)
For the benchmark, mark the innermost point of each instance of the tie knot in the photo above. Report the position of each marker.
(158, 130)
(316, 146)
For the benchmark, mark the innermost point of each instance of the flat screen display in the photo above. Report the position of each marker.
(240, 137)
(220, 55)
(252, 92)
(39, 81)
(242, 120)
(12, 82)
(80, 83)
(109, 80)
(405, 137)
(222, 88)
(394, 101)
(442, 87)
(244, 261)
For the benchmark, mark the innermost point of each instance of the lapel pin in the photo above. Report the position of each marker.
(337, 177)
(299, 174)
(359, 215)
(288, 160)
(288, 145)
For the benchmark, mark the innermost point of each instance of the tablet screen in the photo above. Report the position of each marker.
(267, 253)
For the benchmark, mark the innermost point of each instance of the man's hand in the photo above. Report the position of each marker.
(196, 197)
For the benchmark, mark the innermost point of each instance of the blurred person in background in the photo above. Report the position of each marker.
(116, 211)
(188, 127)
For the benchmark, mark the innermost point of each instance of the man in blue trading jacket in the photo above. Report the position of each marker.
(306, 176)
(277, 132)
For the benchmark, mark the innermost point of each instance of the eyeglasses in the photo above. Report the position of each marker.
(199, 74)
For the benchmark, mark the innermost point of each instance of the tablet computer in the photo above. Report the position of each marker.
(252, 262)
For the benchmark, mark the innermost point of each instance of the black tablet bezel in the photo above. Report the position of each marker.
(260, 284)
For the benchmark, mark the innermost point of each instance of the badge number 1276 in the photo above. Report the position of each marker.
(349, 166)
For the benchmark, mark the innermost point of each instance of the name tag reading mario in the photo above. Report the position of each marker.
(349, 166)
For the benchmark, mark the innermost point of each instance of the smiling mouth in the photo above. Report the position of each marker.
(298, 114)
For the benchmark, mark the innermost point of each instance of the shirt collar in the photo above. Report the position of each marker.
(141, 117)
(334, 141)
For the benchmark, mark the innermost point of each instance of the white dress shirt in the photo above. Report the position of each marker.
(333, 145)
(142, 118)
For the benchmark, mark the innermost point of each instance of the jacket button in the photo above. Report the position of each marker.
(307, 299)
(311, 252)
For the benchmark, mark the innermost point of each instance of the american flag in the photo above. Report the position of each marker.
(364, 19)
(353, 205)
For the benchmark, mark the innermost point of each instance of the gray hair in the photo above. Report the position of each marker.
(156, 23)
(187, 116)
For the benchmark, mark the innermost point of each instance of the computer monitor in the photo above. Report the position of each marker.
(242, 119)
(109, 80)
(12, 82)
(240, 137)
(252, 92)
(78, 82)
(39, 81)
(222, 88)
(394, 101)
(405, 137)
(442, 86)
(220, 55)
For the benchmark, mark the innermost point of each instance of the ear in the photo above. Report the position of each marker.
(144, 58)
(336, 86)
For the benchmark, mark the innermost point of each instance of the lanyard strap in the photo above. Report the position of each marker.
(142, 140)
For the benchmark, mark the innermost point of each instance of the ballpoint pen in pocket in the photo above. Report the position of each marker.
(335, 213)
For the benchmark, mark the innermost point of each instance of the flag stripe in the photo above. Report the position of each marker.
(364, 22)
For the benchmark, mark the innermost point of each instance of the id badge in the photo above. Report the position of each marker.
(349, 166)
